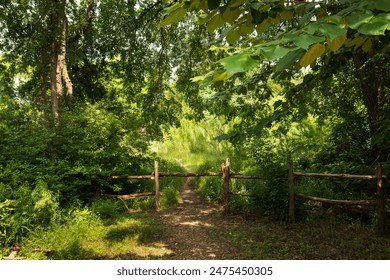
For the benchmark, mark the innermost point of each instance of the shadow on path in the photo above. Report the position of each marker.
(194, 228)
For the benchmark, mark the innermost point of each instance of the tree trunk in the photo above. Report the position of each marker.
(59, 69)
(55, 85)
(370, 73)
(369, 91)
(62, 59)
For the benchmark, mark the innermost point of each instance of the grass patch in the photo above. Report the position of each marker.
(322, 239)
(121, 237)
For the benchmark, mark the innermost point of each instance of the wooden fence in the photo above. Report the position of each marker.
(379, 203)
(225, 174)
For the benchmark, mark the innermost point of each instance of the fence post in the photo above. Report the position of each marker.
(380, 206)
(226, 183)
(156, 187)
(291, 194)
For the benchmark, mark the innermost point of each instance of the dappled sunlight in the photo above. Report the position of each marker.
(155, 251)
(196, 224)
(192, 229)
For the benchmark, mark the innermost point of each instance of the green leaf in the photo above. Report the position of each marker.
(214, 23)
(382, 5)
(275, 52)
(332, 31)
(263, 26)
(354, 20)
(233, 37)
(213, 4)
(198, 78)
(289, 59)
(246, 28)
(327, 29)
(312, 54)
(375, 26)
(258, 17)
(174, 16)
(220, 76)
(287, 15)
(230, 15)
(306, 40)
(240, 62)
(236, 3)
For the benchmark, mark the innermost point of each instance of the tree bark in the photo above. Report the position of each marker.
(370, 91)
(64, 75)
(54, 82)
(373, 76)
(59, 70)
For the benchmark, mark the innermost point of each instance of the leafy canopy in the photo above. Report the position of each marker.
(303, 31)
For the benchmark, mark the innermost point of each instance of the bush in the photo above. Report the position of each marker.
(107, 207)
(170, 196)
(270, 196)
(24, 210)
(211, 188)
(65, 238)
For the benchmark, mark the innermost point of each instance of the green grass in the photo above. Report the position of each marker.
(126, 236)
(330, 238)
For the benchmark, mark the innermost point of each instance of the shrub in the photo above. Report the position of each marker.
(270, 196)
(24, 210)
(107, 207)
(65, 238)
(170, 196)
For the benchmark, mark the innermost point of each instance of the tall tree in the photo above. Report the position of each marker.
(36, 36)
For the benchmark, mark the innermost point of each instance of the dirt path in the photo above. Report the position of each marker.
(195, 229)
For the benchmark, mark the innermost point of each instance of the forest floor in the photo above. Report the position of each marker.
(196, 229)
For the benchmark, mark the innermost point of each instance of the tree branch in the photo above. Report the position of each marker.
(84, 28)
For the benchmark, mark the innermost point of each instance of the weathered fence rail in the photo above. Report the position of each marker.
(378, 204)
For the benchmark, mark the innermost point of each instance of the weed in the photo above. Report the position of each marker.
(107, 207)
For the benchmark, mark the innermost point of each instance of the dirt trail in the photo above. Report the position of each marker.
(195, 228)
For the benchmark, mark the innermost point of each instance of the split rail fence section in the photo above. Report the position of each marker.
(379, 203)
(225, 174)
(380, 200)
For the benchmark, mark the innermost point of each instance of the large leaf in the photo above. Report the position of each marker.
(356, 42)
(237, 63)
(174, 16)
(214, 23)
(355, 20)
(312, 54)
(236, 3)
(231, 14)
(289, 59)
(382, 5)
(329, 30)
(258, 17)
(336, 43)
(213, 4)
(246, 28)
(306, 40)
(275, 52)
(332, 30)
(264, 25)
(233, 36)
(375, 26)
(219, 76)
